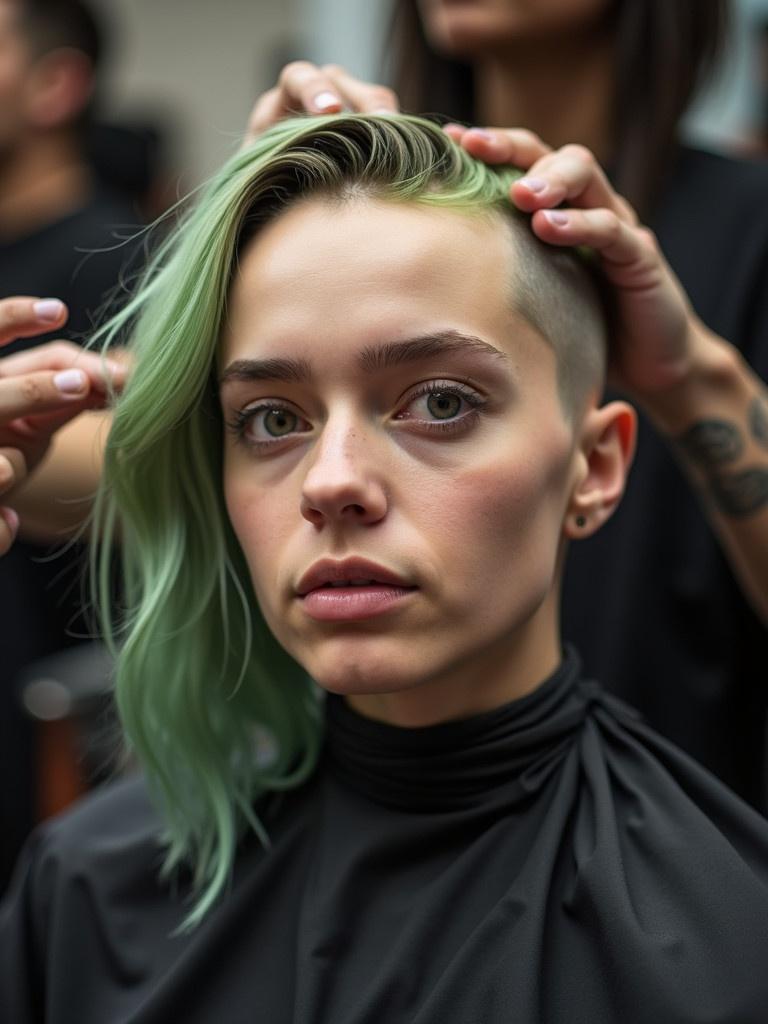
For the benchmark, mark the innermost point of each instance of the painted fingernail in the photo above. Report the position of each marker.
(70, 382)
(326, 100)
(483, 133)
(536, 185)
(12, 519)
(48, 309)
(556, 217)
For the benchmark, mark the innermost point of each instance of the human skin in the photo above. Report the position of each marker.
(467, 27)
(475, 519)
(40, 391)
(43, 172)
(682, 375)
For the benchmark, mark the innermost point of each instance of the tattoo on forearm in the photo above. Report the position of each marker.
(741, 493)
(712, 443)
(758, 420)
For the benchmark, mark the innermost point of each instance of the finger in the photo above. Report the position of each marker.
(35, 393)
(301, 88)
(24, 316)
(572, 175)
(629, 255)
(33, 429)
(13, 469)
(9, 527)
(62, 355)
(307, 89)
(268, 110)
(515, 146)
(361, 97)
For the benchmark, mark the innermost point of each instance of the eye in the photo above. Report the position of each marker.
(278, 422)
(267, 424)
(442, 405)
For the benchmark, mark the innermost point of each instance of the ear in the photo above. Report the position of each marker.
(60, 87)
(604, 454)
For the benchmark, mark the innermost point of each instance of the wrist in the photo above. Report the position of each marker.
(716, 383)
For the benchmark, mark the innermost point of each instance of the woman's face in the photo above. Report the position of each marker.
(469, 28)
(384, 404)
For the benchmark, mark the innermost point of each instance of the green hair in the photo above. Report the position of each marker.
(215, 710)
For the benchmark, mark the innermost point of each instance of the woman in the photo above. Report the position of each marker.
(669, 603)
(363, 463)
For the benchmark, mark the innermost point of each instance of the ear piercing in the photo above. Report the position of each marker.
(581, 521)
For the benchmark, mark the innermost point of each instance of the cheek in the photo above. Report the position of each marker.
(256, 517)
(507, 512)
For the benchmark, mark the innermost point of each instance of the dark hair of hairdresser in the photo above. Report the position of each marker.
(49, 25)
(55, 24)
(665, 50)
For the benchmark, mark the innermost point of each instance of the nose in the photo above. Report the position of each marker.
(342, 485)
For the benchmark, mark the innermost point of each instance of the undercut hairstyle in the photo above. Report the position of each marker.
(665, 51)
(216, 711)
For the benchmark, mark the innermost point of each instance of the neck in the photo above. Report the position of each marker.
(40, 182)
(562, 90)
(502, 672)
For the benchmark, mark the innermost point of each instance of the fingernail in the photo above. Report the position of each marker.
(12, 519)
(48, 309)
(70, 382)
(534, 184)
(483, 133)
(556, 217)
(325, 100)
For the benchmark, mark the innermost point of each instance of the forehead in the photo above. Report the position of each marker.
(326, 277)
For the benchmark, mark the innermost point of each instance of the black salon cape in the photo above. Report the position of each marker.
(650, 600)
(550, 862)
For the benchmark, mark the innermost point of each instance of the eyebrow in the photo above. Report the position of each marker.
(372, 359)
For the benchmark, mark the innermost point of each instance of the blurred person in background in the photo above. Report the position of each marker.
(60, 230)
(668, 604)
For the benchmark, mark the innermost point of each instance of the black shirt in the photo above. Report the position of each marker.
(80, 259)
(550, 862)
(650, 600)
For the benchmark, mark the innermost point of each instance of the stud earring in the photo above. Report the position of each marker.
(581, 521)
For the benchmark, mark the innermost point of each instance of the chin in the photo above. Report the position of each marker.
(350, 672)
(463, 30)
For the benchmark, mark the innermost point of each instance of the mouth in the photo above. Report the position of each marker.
(352, 589)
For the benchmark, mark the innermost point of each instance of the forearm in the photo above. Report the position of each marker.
(717, 420)
(56, 499)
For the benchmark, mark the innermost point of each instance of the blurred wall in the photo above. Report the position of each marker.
(729, 111)
(195, 67)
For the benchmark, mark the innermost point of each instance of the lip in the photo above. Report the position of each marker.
(330, 571)
(386, 591)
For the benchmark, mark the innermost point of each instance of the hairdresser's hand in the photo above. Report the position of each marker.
(41, 389)
(657, 341)
(304, 88)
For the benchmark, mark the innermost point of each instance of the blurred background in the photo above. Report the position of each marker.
(176, 81)
(192, 69)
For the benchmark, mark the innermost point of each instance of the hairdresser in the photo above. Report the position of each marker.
(677, 584)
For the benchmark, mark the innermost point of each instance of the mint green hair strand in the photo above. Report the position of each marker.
(199, 677)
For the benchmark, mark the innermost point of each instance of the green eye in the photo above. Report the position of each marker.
(444, 405)
(279, 422)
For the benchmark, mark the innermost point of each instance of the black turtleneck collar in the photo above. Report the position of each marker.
(463, 763)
